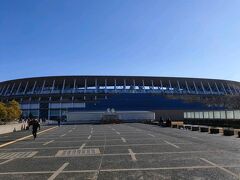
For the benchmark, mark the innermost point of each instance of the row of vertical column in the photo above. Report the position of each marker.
(186, 87)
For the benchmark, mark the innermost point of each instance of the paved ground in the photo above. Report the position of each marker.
(125, 151)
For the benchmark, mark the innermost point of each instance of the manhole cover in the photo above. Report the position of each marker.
(14, 155)
(77, 152)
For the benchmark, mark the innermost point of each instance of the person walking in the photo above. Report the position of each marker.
(58, 123)
(35, 125)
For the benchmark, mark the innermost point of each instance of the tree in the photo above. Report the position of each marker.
(13, 110)
(3, 112)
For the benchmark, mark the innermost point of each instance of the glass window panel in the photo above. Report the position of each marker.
(192, 115)
(223, 114)
(217, 115)
(201, 115)
(79, 105)
(54, 105)
(185, 115)
(229, 114)
(197, 115)
(24, 106)
(237, 114)
(54, 112)
(210, 114)
(205, 114)
(34, 106)
(67, 105)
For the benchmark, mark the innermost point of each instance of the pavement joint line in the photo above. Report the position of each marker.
(112, 170)
(132, 154)
(48, 142)
(4, 162)
(172, 144)
(56, 173)
(100, 165)
(89, 137)
(122, 154)
(143, 153)
(220, 167)
(82, 146)
(25, 137)
(123, 139)
(151, 135)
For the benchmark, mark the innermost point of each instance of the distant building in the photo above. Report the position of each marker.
(168, 97)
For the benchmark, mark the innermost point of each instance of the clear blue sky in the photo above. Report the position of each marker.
(195, 38)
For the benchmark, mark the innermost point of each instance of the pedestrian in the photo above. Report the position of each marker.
(35, 127)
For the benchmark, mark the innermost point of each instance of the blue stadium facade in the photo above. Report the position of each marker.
(168, 97)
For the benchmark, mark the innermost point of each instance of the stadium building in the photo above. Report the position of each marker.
(168, 97)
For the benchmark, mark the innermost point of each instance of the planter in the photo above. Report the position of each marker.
(203, 129)
(213, 130)
(195, 128)
(228, 132)
(188, 127)
(174, 126)
(180, 127)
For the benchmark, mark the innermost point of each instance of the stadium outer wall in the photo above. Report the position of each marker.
(52, 97)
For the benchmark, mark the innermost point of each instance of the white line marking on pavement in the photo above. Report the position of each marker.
(132, 154)
(4, 162)
(89, 137)
(151, 135)
(48, 142)
(222, 168)
(82, 146)
(172, 144)
(118, 132)
(70, 131)
(56, 173)
(63, 135)
(123, 139)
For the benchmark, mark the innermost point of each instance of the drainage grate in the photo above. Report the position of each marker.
(14, 155)
(77, 152)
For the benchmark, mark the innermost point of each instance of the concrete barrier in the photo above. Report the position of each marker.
(10, 128)
(180, 126)
(189, 127)
(195, 128)
(228, 132)
(176, 124)
(215, 130)
(204, 129)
